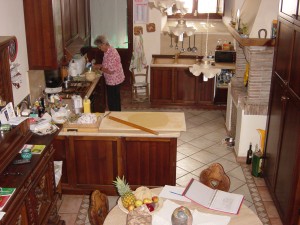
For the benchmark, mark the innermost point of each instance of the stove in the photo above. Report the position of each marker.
(75, 87)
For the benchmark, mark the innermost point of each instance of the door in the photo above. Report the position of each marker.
(114, 20)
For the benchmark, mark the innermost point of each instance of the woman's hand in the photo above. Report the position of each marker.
(97, 66)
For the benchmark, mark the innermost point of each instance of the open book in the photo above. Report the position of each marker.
(213, 199)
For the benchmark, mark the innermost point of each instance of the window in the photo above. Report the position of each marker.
(200, 8)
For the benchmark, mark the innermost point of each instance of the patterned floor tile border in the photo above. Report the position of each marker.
(257, 201)
(82, 216)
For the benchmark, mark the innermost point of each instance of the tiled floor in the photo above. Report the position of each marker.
(197, 148)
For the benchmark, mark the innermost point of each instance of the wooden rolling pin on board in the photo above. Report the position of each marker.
(133, 125)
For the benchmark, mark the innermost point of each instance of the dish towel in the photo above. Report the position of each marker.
(163, 216)
(138, 59)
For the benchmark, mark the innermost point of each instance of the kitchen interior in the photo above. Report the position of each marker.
(256, 87)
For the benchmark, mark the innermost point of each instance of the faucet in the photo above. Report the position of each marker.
(176, 57)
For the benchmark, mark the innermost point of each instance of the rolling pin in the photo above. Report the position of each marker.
(133, 125)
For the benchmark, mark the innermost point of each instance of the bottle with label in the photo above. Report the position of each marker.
(219, 45)
(249, 154)
(86, 105)
(257, 162)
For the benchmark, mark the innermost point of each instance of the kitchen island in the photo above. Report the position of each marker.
(92, 160)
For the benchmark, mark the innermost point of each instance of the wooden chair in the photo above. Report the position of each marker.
(215, 177)
(98, 208)
(140, 85)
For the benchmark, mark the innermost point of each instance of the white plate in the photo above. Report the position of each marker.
(157, 206)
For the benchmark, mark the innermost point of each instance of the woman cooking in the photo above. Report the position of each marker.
(113, 72)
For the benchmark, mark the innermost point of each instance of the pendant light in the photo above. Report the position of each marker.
(205, 67)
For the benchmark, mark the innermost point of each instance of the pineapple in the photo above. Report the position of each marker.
(127, 196)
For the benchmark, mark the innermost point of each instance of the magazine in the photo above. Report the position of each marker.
(5, 195)
(213, 199)
(35, 149)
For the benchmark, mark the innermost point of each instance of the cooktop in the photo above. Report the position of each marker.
(75, 87)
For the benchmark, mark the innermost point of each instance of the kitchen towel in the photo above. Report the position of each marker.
(138, 59)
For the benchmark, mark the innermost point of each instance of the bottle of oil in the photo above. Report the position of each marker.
(249, 154)
(86, 105)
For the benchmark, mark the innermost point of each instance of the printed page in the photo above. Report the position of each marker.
(173, 192)
(199, 193)
(227, 202)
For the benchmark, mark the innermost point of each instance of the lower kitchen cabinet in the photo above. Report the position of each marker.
(177, 86)
(93, 162)
(150, 161)
(98, 97)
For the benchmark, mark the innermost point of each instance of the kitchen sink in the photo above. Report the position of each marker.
(169, 61)
(172, 61)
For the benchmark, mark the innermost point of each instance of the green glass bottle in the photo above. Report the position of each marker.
(257, 162)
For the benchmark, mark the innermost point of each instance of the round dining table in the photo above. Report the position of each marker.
(245, 216)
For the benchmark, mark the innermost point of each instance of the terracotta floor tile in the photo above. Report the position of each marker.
(69, 218)
(259, 181)
(264, 193)
(70, 204)
(271, 209)
(275, 221)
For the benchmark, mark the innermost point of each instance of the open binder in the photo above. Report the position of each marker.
(213, 199)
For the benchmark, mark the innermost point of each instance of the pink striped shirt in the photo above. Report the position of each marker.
(112, 61)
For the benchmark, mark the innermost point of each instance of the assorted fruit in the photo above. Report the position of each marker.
(141, 196)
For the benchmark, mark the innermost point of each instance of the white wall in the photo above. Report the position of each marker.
(12, 24)
(152, 40)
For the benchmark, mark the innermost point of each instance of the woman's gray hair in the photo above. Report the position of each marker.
(100, 40)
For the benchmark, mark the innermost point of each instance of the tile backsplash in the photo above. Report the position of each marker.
(200, 43)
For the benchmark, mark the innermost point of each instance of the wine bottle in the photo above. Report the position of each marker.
(249, 154)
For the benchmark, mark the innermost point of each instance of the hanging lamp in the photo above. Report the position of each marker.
(205, 67)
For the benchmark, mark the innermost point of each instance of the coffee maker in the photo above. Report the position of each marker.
(53, 81)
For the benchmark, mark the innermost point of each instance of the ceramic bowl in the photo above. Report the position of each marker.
(90, 76)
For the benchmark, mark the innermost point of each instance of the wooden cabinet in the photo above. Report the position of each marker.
(161, 85)
(150, 161)
(185, 87)
(98, 97)
(177, 86)
(284, 43)
(43, 33)
(53, 26)
(93, 162)
(35, 198)
(6, 94)
(282, 155)
(76, 25)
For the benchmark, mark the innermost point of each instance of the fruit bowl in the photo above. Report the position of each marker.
(158, 206)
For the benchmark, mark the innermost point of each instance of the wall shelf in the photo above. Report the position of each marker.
(250, 41)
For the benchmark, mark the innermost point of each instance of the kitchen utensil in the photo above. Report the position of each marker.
(194, 49)
(182, 48)
(171, 45)
(189, 49)
(133, 125)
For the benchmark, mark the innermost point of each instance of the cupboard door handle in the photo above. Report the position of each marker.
(284, 98)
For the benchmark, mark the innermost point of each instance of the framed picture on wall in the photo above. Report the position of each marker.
(140, 11)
